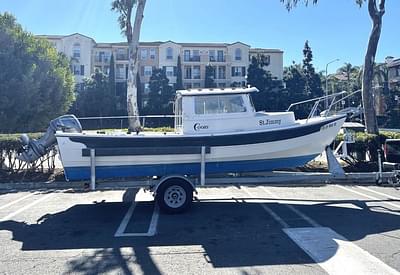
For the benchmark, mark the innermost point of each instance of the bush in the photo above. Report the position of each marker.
(366, 143)
(9, 149)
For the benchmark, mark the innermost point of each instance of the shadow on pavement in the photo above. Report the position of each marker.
(232, 234)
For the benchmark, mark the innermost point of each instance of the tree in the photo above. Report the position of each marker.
(270, 95)
(111, 76)
(296, 86)
(179, 82)
(376, 10)
(312, 80)
(160, 97)
(209, 77)
(350, 72)
(96, 99)
(139, 93)
(125, 9)
(36, 83)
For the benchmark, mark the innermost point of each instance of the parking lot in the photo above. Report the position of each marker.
(315, 229)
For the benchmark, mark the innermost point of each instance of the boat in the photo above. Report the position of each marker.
(217, 127)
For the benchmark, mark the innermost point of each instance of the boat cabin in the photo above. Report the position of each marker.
(213, 111)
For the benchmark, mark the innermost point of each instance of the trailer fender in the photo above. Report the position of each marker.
(165, 178)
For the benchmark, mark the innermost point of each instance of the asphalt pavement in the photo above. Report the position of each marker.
(315, 229)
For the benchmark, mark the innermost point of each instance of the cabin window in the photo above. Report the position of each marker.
(219, 104)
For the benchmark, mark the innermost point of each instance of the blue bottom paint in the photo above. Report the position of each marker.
(103, 172)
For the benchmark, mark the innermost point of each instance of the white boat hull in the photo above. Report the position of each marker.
(292, 149)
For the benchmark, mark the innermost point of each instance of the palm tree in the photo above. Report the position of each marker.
(350, 72)
(125, 9)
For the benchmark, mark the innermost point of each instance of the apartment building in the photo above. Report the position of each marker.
(229, 60)
(393, 65)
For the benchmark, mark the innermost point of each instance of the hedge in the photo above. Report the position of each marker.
(366, 143)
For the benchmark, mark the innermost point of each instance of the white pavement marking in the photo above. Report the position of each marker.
(379, 193)
(26, 207)
(292, 208)
(18, 200)
(335, 254)
(367, 196)
(152, 227)
(269, 211)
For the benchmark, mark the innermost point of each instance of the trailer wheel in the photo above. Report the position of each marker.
(174, 195)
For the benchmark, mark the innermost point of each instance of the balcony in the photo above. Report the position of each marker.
(102, 59)
(217, 59)
(121, 57)
(191, 58)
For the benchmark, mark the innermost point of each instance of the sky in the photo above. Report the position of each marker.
(335, 29)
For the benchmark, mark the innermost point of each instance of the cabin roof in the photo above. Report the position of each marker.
(212, 91)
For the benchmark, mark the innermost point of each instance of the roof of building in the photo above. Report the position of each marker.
(261, 50)
(64, 36)
(212, 91)
(158, 43)
(394, 63)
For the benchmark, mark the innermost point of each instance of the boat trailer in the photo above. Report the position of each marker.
(174, 193)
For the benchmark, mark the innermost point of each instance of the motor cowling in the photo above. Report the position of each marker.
(33, 149)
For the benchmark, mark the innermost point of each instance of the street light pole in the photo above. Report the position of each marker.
(326, 81)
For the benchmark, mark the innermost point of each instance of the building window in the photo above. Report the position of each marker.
(120, 72)
(143, 54)
(169, 71)
(188, 85)
(221, 85)
(76, 69)
(186, 55)
(238, 71)
(220, 56)
(107, 57)
(188, 72)
(82, 69)
(103, 57)
(169, 53)
(196, 72)
(238, 54)
(196, 85)
(148, 70)
(196, 56)
(76, 50)
(152, 53)
(221, 72)
(122, 54)
(211, 55)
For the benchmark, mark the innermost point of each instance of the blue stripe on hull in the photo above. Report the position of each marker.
(103, 172)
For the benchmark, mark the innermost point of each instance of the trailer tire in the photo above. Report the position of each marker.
(174, 196)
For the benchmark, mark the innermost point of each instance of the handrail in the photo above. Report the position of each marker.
(314, 99)
(347, 96)
(120, 117)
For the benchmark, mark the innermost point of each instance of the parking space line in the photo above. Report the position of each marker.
(152, 227)
(292, 208)
(335, 254)
(25, 207)
(367, 196)
(379, 193)
(18, 200)
(270, 211)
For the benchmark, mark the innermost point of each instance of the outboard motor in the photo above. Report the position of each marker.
(33, 149)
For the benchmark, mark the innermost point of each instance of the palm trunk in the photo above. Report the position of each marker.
(367, 89)
(131, 93)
